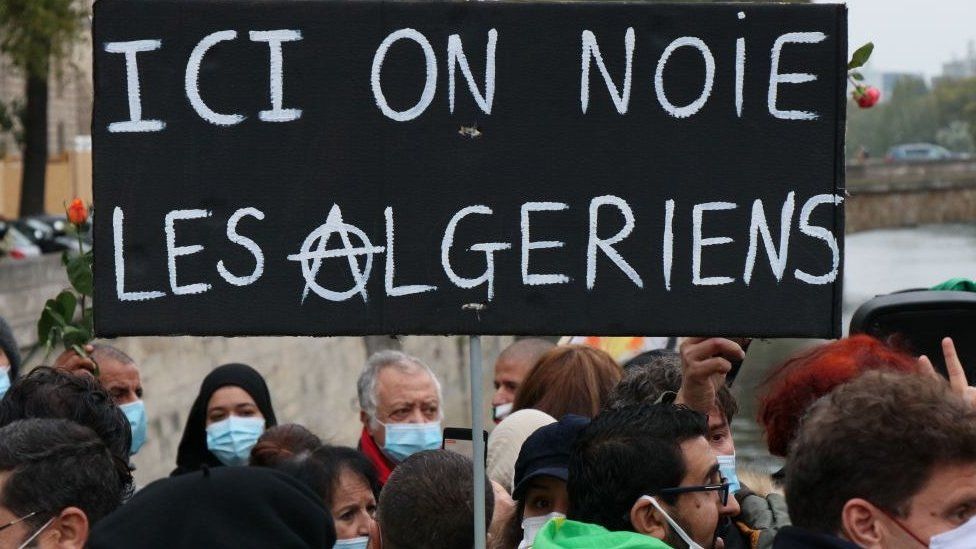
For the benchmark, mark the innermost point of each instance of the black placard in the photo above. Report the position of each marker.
(293, 167)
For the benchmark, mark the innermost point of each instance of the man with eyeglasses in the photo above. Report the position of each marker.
(643, 476)
(57, 479)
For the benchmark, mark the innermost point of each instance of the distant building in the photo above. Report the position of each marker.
(886, 81)
(961, 68)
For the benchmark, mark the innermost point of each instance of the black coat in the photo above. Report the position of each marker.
(791, 537)
(238, 507)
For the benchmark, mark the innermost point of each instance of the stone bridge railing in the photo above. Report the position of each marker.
(883, 194)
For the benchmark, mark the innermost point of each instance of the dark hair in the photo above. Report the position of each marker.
(650, 357)
(283, 442)
(55, 464)
(649, 375)
(428, 502)
(794, 385)
(569, 379)
(627, 453)
(512, 532)
(879, 437)
(53, 393)
(321, 468)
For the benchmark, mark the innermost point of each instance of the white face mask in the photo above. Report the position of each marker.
(963, 537)
(502, 410)
(532, 525)
(678, 530)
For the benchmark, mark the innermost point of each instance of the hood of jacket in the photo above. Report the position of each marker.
(569, 534)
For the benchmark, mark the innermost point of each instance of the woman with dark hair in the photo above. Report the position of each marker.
(231, 411)
(569, 379)
(283, 442)
(348, 485)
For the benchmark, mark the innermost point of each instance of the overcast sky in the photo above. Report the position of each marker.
(912, 35)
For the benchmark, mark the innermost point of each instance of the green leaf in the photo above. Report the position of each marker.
(66, 304)
(74, 336)
(65, 257)
(53, 309)
(80, 274)
(44, 326)
(857, 76)
(861, 56)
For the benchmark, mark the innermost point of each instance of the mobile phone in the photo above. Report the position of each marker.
(916, 321)
(459, 440)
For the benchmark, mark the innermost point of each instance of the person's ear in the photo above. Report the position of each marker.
(861, 524)
(71, 529)
(647, 520)
(364, 417)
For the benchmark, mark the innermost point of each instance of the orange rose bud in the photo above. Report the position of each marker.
(77, 212)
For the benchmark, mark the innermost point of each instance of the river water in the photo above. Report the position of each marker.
(876, 262)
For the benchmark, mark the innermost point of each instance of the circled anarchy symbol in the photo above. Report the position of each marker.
(314, 250)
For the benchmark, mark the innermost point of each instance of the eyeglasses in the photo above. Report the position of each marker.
(21, 519)
(722, 489)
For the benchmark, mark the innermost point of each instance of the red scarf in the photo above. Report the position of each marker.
(384, 467)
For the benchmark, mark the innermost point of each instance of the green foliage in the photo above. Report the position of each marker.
(861, 56)
(79, 272)
(12, 116)
(957, 102)
(914, 113)
(32, 32)
(59, 322)
(957, 136)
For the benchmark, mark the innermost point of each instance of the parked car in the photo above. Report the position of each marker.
(49, 233)
(15, 244)
(920, 152)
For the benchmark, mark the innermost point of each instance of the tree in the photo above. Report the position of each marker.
(35, 34)
(909, 116)
(957, 104)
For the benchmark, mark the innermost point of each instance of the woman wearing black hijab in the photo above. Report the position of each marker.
(231, 411)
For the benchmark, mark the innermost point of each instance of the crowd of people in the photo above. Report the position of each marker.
(880, 452)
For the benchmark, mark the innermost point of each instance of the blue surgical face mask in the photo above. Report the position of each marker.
(231, 439)
(726, 466)
(406, 439)
(135, 412)
(4, 380)
(352, 543)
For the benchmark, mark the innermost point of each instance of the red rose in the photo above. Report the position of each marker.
(867, 96)
(77, 212)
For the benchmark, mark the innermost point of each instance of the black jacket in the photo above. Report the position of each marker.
(791, 537)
